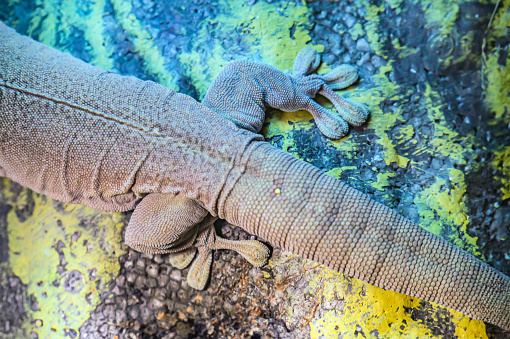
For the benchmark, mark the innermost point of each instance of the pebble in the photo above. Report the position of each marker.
(109, 311)
(133, 313)
(158, 259)
(140, 281)
(363, 59)
(140, 264)
(377, 61)
(337, 50)
(120, 280)
(117, 291)
(436, 164)
(333, 39)
(151, 282)
(120, 316)
(152, 270)
(322, 15)
(131, 277)
(163, 280)
(329, 58)
(156, 304)
(349, 20)
(416, 122)
(363, 45)
(176, 275)
(369, 67)
(338, 27)
(348, 42)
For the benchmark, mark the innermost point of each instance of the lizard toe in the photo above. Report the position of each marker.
(254, 251)
(307, 61)
(200, 269)
(341, 77)
(353, 112)
(330, 124)
(182, 259)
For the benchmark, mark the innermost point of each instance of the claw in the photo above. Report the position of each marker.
(307, 61)
(341, 77)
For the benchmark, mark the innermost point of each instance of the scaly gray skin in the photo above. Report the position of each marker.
(83, 135)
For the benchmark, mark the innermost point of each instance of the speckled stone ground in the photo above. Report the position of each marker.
(150, 299)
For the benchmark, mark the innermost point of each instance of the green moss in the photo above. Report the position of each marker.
(45, 21)
(405, 133)
(403, 51)
(441, 14)
(382, 180)
(497, 71)
(395, 4)
(382, 89)
(153, 60)
(445, 140)
(375, 310)
(498, 91)
(54, 22)
(337, 172)
(442, 209)
(357, 31)
(52, 242)
(371, 27)
(501, 163)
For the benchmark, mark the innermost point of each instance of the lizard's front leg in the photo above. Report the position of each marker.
(243, 90)
(164, 223)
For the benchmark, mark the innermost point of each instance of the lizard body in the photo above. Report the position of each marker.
(83, 135)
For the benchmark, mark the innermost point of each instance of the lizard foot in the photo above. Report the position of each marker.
(330, 124)
(253, 251)
(179, 226)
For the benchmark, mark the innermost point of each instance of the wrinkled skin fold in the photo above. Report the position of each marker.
(80, 134)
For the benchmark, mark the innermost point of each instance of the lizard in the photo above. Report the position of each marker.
(83, 135)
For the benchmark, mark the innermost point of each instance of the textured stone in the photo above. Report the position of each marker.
(362, 45)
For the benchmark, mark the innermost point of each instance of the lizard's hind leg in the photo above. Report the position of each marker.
(163, 223)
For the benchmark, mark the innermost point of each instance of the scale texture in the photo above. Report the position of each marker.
(83, 135)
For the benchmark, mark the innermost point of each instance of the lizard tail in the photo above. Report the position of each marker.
(297, 207)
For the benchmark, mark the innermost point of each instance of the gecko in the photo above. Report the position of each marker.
(83, 135)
